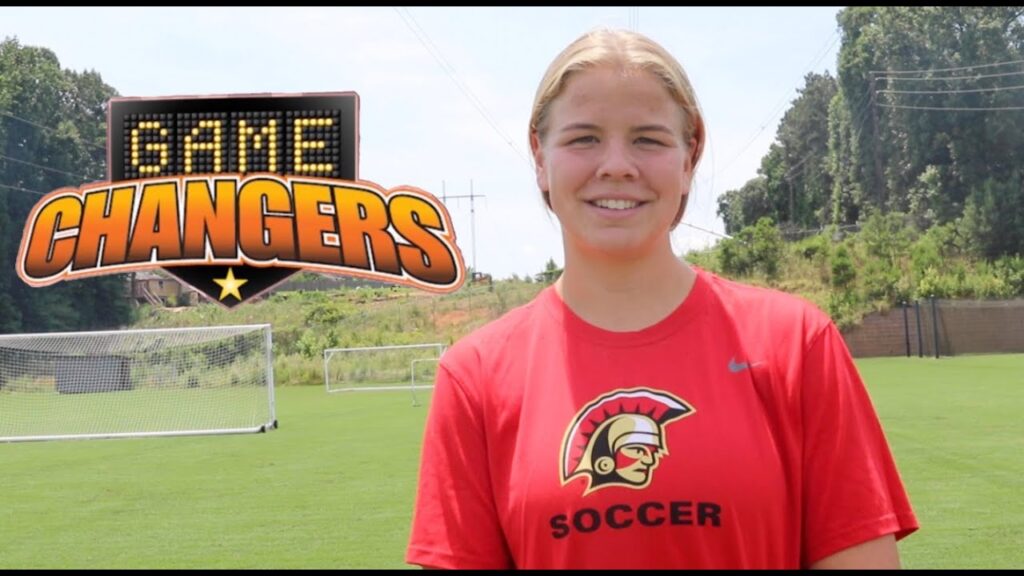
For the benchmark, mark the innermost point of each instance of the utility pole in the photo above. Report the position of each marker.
(876, 144)
(472, 214)
(472, 224)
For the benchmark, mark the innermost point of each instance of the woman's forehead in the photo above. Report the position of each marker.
(610, 73)
(610, 93)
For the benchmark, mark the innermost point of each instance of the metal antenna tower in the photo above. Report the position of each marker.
(472, 214)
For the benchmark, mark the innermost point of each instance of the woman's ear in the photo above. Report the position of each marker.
(540, 167)
(693, 153)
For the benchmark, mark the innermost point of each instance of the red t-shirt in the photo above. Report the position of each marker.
(735, 433)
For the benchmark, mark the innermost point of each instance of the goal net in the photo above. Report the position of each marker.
(408, 367)
(164, 382)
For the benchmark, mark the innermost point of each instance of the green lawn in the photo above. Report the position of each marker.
(957, 430)
(333, 487)
(33, 414)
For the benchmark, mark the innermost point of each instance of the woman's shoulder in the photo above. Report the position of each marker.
(771, 305)
(496, 336)
(773, 327)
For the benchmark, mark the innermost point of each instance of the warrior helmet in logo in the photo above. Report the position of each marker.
(617, 439)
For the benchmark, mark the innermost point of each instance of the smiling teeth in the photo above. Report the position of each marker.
(617, 204)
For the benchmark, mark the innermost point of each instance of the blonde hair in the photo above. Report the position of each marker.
(632, 51)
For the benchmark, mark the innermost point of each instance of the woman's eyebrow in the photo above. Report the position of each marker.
(578, 126)
(642, 128)
(653, 128)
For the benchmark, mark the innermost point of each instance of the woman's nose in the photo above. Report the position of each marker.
(617, 162)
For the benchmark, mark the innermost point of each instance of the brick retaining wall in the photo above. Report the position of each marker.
(964, 327)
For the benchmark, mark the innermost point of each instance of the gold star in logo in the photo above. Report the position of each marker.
(230, 285)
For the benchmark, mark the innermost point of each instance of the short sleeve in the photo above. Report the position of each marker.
(455, 523)
(852, 491)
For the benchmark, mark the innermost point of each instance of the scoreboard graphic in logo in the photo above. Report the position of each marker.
(232, 195)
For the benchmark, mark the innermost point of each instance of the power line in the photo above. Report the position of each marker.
(79, 176)
(712, 232)
(472, 214)
(782, 104)
(945, 78)
(954, 108)
(858, 115)
(19, 188)
(47, 128)
(964, 91)
(856, 121)
(955, 91)
(804, 232)
(930, 70)
(634, 18)
(424, 39)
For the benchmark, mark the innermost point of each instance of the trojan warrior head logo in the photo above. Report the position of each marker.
(617, 439)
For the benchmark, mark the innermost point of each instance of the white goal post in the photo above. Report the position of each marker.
(125, 383)
(406, 367)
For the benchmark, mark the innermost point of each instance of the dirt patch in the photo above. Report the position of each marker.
(462, 320)
(452, 318)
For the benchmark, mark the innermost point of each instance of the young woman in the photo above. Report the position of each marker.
(641, 413)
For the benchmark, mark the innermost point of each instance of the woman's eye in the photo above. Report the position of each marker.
(583, 140)
(649, 141)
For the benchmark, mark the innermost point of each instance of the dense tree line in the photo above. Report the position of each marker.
(52, 134)
(925, 118)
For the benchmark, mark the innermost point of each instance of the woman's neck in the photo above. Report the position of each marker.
(625, 296)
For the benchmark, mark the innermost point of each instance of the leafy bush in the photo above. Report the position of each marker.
(843, 271)
(754, 248)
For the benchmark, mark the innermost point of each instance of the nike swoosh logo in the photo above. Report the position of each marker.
(735, 366)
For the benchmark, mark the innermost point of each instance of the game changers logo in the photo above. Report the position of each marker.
(232, 195)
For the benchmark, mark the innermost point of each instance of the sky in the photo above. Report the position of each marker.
(445, 93)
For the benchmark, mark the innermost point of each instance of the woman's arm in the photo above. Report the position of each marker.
(877, 553)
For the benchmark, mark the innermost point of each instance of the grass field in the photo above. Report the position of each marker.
(334, 486)
(956, 426)
(35, 414)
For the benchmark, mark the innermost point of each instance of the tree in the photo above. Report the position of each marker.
(741, 208)
(847, 185)
(754, 248)
(793, 186)
(550, 273)
(52, 134)
(804, 186)
(994, 220)
(927, 123)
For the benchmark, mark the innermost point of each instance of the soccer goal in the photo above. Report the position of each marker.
(409, 367)
(163, 382)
